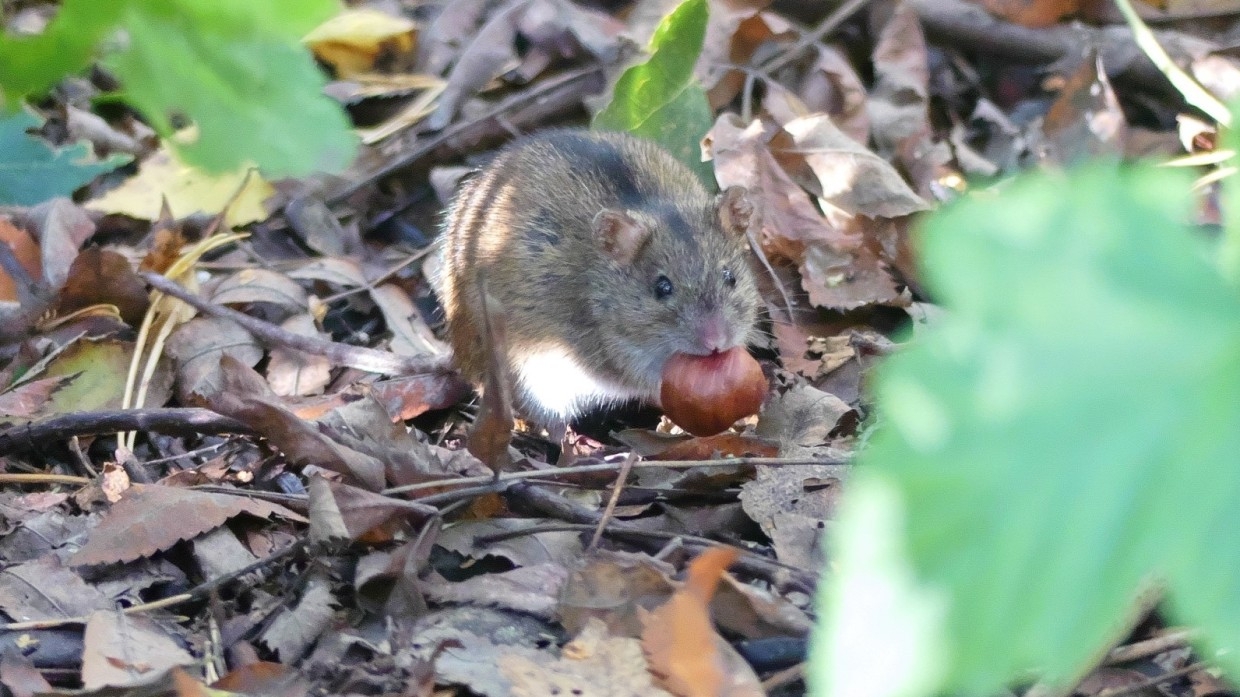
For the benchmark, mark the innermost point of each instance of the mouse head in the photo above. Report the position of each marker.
(682, 281)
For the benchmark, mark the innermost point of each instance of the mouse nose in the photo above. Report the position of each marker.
(712, 332)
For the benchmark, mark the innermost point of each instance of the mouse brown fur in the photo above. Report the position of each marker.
(607, 256)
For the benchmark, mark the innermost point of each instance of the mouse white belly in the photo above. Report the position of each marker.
(551, 381)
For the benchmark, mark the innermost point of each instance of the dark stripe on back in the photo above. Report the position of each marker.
(601, 160)
(676, 224)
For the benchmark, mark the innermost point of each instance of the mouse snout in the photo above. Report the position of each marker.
(712, 332)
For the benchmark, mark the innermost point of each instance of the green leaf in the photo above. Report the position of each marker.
(32, 64)
(1065, 437)
(31, 171)
(658, 99)
(1229, 259)
(236, 68)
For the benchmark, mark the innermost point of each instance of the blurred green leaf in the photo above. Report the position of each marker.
(235, 67)
(31, 171)
(32, 64)
(1064, 438)
(1230, 257)
(658, 99)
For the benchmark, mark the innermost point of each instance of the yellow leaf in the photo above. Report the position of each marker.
(188, 191)
(351, 41)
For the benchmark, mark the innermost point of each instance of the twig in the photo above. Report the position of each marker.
(360, 357)
(1192, 92)
(1148, 647)
(544, 91)
(177, 422)
(826, 26)
(1154, 681)
(748, 562)
(9, 478)
(962, 23)
(199, 591)
(381, 278)
(612, 467)
(621, 477)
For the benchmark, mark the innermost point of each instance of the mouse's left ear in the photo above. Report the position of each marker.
(735, 210)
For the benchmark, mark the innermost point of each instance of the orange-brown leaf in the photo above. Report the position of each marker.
(686, 655)
(1032, 13)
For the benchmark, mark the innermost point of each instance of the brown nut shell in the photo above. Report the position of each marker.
(706, 394)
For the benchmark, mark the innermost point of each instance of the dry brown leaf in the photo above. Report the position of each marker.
(62, 228)
(478, 637)
(296, 373)
(594, 664)
(736, 29)
(28, 399)
(534, 590)
(491, 52)
(722, 445)
(126, 650)
(899, 104)
(151, 518)
(364, 425)
(263, 678)
(101, 277)
(44, 589)
(410, 334)
(451, 29)
(1085, 121)
(793, 506)
(522, 550)
(834, 88)
(753, 613)
(1031, 13)
(839, 267)
(492, 431)
(198, 346)
(260, 286)
(686, 655)
(787, 216)
(20, 677)
(361, 511)
(611, 586)
(236, 390)
(166, 245)
(295, 628)
(844, 172)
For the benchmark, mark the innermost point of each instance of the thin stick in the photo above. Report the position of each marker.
(621, 477)
(199, 591)
(1190, 89)
(1149, 647)
(1154, 681)
(612, 467)
(826, 26)
(540, 92)
(360, 357)
(94, 423)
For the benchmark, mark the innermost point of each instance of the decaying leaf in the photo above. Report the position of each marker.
(127, 650)
(152, 518)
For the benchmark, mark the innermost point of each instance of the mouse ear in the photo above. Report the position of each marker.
(620, 235)
(735, 210)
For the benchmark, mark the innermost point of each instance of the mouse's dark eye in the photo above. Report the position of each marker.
(729, 278)
(662, 287)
